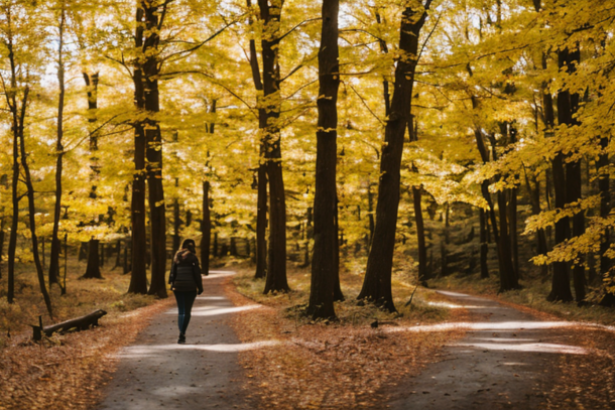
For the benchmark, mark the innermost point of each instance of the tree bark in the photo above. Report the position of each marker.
(91, 81)
(2, 223)
(92, 270)
(32, 211)
(377, 282)
(261, 202)
(484, 245)
(573, 175)
(420, 233)
(205, 230)
(605, 208)
(418, 215)
(566, 105)
(54, 263)
(270, 12)
(176, 220)
(138, 277)
(261, 224)
(153, 138)
(325, 259)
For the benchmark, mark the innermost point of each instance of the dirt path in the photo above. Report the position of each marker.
(157, 373)
(503, 362)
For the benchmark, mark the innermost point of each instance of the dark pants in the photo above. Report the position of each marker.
(185, 300)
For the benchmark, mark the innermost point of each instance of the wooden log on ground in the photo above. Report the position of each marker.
(80, 323)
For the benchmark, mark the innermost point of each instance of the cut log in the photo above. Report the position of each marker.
(80, 323)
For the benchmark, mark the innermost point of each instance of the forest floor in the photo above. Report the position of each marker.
(66, 371)
(247, 350)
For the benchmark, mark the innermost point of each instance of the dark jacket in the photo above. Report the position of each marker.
(186, 272)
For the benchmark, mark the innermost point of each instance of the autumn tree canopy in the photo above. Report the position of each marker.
(472, 136)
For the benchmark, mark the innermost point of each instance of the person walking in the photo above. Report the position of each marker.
(186, 283)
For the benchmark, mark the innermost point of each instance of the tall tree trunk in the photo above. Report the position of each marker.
(573, 173)
(261, 202)
(205, 230)
(420, 233)
(541, 238)
(512, 218)
(261, 224)
(605, 208)
(566, 106)
(153, 138)
(484, 245)
(91, 81)
(17, 117)
(325, 260)
(560, 285)
(370, 214)
(176, 220)
(93, 268)
(138, 277)
(377, 282)
(270, 12)
(503, 246)
(32, 212)
(54, 265)
(2, 227)
(418, 214)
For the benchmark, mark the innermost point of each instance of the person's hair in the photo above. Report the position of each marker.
(190, 245)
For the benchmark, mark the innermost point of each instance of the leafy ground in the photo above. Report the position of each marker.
(343, 364)
(66, 371)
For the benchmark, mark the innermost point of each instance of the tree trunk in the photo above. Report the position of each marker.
(261, 202)
(560, 285)
(420, 233)
(138, 277)
(127, 267)
(16, 131)
(418, 215)
(2, 223)
(32, 213)
(205, 230)
(93, 267)
(444, 242)
(270, 11)
(512, 217)
(484, 245)
(325, 260)
(91, 81)
(566, 107)
(153, 150)
(370, 215)
(377, 282)
(541, 238)
(502, 240)
(118, 254)
(215, 247)
(261, 224)
(605, 208)
(54, 263)
(176, 220)
(338, 295)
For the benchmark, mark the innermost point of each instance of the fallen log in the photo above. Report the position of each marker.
(80, 323)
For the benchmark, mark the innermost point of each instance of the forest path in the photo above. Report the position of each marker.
(157, 373)
(505, 361)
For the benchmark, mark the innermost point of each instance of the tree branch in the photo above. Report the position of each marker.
(297, 26)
